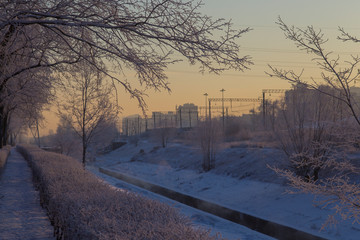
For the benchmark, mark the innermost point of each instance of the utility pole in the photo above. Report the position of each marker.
(264, 109)
(209, 110)
(176, 116)
(231, 100)
(146, 123)
(206, 95)
(264, 102)
(139, 127)
(189, 117)
(180, 117)
(223, 110)
(154, 120)
(127, 127)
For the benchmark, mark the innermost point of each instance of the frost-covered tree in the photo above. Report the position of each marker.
(140, 36)
(87, 104)
(340, 186)
(23, 101)
(66, 140)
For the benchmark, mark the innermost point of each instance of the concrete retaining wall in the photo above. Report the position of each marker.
(260, 225)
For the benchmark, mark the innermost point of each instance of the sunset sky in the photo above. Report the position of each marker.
(266, 44)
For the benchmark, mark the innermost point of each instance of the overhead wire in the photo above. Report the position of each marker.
(274, 26)
(276, 63)
(279, 50)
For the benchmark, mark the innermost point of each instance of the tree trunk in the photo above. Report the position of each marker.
(84, 156)
(6, 127)
(38, 132)
(316, 173)
(84, 148)
(3, 126)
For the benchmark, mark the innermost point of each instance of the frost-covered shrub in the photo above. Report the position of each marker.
(210, 136)
(82, 207)
(307, 125)
(4, 153)
(236, 128)
(163, 135)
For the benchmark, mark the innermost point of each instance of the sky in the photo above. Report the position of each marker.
(265, 44)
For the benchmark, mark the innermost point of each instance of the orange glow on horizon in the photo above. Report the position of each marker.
(266, 44)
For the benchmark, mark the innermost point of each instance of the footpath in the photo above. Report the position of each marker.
(21, 216)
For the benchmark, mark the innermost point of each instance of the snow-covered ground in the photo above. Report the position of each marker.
(241, 180)
(226, 229)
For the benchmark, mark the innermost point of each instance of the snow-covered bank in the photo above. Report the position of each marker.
(226, 229)
(240, 181)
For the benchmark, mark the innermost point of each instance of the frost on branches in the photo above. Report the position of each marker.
(138, 36)
(337, 180)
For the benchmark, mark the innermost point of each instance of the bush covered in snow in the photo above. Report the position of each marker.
(82, 207)
(4, 153)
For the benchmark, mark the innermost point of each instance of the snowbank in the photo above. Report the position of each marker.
(4, 154)
(241, 180)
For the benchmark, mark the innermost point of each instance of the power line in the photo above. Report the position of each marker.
(279, 50)
(237, 75)
(277, 27)
(286, 66)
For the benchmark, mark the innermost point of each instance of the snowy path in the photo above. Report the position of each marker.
(21, 216)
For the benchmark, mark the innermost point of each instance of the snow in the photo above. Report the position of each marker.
(226, 229)
(241, 180)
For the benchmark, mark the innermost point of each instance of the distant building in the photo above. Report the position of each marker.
(163, 119)
(187, 115)
(302, 95)
(132, 125)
